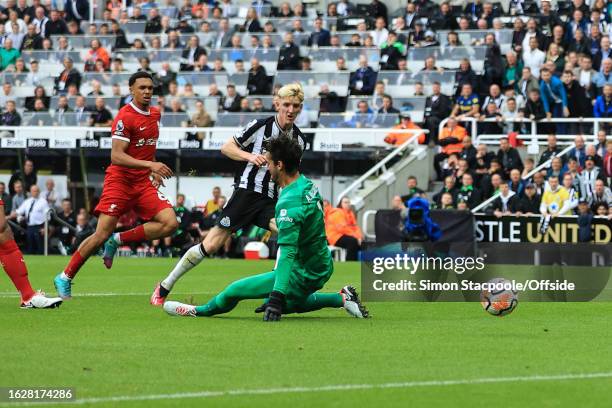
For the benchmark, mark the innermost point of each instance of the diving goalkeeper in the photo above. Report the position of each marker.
(303, 262)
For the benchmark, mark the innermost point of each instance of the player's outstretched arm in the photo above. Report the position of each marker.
(119, 157)
(234, 152)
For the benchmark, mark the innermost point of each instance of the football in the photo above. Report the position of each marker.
(499, 301)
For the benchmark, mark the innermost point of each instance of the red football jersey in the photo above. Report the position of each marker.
(141, 129)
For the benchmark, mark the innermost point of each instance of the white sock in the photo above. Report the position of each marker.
(192, 257)
(117, 238)
(64, 276)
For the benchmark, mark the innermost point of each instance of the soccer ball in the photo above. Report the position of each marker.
(499, 301)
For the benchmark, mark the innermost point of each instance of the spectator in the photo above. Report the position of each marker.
(603, 105)
(391, 52)
(258, 81)
(443, 19)
(573, 194)
(554, 55)
(330, 101)
(437, 107)
(397, 138)
(319, 37)
(10, 117)
(18, 196)
(181, 240)
(466, 75)
(63, 233)
(578, 151)
(362, 81)
(530, 203)
(56, 25)
(493, 118)
(467, 104)
(33, 211)
(387, 106)
(490, 183)
(8, 54)
(200, 118)
(551, 151)
(342, 230)
(69, 76)
(449, 187)
(32, 40)
(508, 156)
(553, 96)
(588, 177)
(607, 162)
(83, 229)
(579, 105)
(451, 141)
(468, 153)
(231, 102)
(446, 202)
(511, 115)
(601, 196)
(413, 189)
(600, 148)
(191, 54)
(534, 110)
(76, 10)
(6, 198)
(39, 93)
(555, 200)
(507, 202)
(590, 150)
(468, 193)
(512, 70)
(101, 116)
(53, 197)
(153, 25)
(27, 176)
(380, 32)
(605, 52)
(96, 52)
(289, 55)
(602, 210)
(533, 57)
(527, 83)
(516, 183)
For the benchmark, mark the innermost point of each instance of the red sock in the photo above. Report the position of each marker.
(136, 234)
(74, 265)
(15, 267)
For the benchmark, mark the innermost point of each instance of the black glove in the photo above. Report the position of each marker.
(274, 307)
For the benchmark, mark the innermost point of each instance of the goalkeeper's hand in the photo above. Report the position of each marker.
(274, 307)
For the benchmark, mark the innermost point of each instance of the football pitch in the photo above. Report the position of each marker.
(117, 350)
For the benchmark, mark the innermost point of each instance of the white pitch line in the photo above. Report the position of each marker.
(328, 388)
(101, 294)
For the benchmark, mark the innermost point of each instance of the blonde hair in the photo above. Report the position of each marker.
(293, 90)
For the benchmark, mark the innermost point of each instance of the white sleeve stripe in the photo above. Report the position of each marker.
(125, 139)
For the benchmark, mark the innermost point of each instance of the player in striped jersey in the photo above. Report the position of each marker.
(255, 193)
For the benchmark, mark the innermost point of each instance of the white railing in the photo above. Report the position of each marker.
(65, 137)
(544, 165)
(381, 165)
(533, 137)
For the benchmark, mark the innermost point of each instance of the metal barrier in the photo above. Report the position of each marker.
(381, 166)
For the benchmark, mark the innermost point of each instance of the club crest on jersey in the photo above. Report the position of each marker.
(119, 128)
(225, 222)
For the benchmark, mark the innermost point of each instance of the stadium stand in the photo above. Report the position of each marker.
(534, 71)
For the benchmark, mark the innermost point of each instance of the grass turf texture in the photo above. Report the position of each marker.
(108, 346)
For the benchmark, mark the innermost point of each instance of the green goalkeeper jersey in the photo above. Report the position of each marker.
(303, 258)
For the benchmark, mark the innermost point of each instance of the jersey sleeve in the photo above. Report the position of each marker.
(247, 135)
(120, 128)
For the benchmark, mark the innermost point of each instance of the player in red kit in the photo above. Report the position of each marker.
(131, 182)
(15, 267)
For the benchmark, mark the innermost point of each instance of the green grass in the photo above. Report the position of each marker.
(107, 346)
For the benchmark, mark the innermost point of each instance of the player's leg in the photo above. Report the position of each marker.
(63, 281)
(151, 205)
(347, 298)
(252, 287)
(242, 208)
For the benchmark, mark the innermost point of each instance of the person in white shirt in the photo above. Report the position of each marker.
(53, 197)
(33, 211)
(380, 33)
(533, 57)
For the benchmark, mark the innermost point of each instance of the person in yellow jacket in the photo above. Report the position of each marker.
(556, 199)
(398, 138)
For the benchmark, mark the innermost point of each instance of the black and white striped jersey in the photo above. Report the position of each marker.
(251, 139)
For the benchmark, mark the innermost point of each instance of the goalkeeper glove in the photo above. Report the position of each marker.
(274, 307)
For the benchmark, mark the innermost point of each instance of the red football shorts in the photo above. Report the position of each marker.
(120, 195)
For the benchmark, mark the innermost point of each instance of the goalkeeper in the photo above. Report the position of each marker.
(303, 262)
